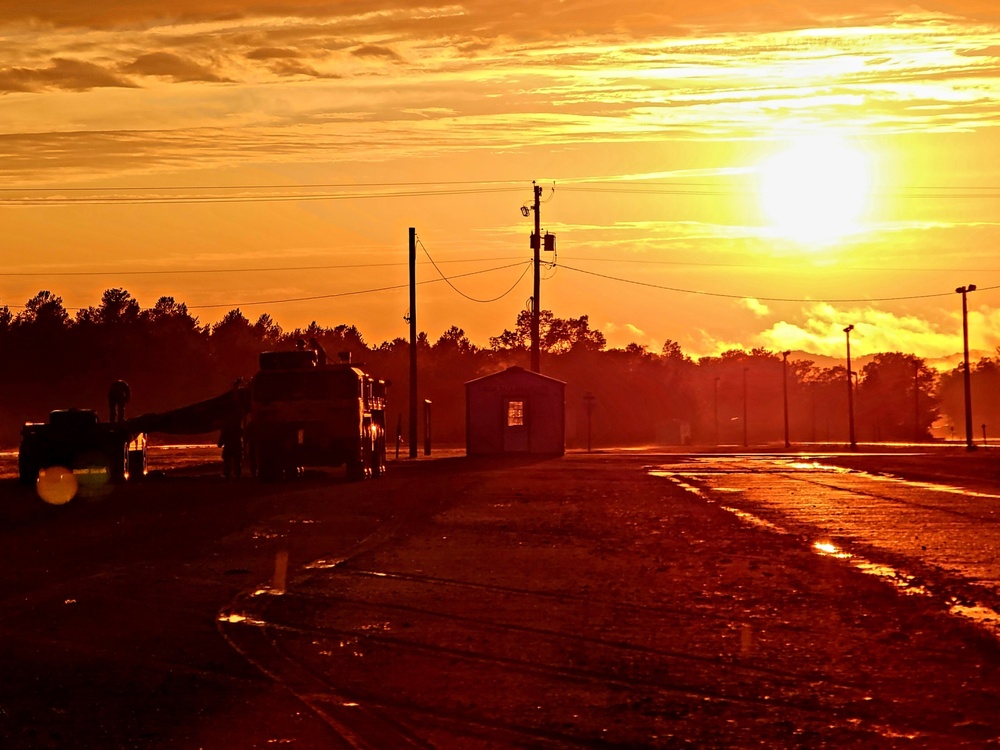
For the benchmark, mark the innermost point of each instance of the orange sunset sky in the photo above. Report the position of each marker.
(727, 174)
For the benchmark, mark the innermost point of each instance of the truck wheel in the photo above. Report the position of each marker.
(360, 470)
(378, 454)
(268, 465)
(118, 466)
(355, 471)
(27, 472)
(137, 464)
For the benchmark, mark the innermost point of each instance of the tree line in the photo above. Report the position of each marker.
(640, 397)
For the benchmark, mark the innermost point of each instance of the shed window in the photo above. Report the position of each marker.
(515, 413)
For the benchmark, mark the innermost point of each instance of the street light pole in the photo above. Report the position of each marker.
(536, 246)
(746, 439)
(715, 409)
(850, 391)
(784, 392)
(589, 399)
(964, 290)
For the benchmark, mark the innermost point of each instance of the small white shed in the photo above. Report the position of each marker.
(515, 411)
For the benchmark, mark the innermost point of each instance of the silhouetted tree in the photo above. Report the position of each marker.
(45, 311)
(886, 401)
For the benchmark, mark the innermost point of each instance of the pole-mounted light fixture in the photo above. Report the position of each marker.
(850, 392)
(964, 290)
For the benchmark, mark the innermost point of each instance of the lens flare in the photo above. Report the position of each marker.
(56, 485)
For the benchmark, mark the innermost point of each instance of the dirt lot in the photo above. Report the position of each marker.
(582, 602)
(457, 603)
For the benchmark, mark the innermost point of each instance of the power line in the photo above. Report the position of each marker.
(762, 299)
(463, 294)
(352, 293)
(334, 295)
(797, 267)
(215, 199)
(369, 190)
(171, 272)
(722, 191)
(301, 186)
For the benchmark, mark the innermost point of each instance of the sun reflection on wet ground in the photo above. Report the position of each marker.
(882, 512)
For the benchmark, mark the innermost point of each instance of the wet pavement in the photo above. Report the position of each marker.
(601, 601)
(938, 539)
(624, 600)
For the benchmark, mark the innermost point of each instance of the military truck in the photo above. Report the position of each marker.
(76, 440)
(305, 412)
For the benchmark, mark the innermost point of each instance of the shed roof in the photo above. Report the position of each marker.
(515, 370)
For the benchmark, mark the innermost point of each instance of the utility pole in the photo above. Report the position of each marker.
(589, 399)
(536, 305)
(746, 434)
(413, 342)
(784, 392)
(715, 409)
(850, 391)
(963, 290)
(916, 401)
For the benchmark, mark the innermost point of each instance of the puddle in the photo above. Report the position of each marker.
(985, 617)
(816, 466)
(753, 520)
(676, 479)
(234, 618)
(899, 579)
(980, 615)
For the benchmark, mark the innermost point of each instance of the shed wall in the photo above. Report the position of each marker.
(544, 414)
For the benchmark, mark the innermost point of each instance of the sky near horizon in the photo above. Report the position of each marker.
(271, 155)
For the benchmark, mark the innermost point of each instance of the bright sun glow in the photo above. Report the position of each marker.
(816, 191)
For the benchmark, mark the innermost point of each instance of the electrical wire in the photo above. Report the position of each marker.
(463, 294)
(797, 267)
(764, 299)
(353, 293)
(358, 191)
(215, 199)
(233, 305)
(171, 272)
(301, 186)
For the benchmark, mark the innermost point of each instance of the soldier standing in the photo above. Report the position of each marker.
(118, 395)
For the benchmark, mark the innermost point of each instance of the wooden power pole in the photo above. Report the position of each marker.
(413, 342)
(536, 305)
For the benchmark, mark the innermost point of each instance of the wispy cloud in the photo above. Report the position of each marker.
(62, 73)
(171, 66)
(482, 80)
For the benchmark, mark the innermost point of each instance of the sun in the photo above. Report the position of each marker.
(816, 191)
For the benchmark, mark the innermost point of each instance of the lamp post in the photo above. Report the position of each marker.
(715, 405)
(850, 391)
(784, 392)
(589, 400)
(964, 290)
(746, 438)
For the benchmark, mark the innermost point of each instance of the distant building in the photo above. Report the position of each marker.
(515, 411)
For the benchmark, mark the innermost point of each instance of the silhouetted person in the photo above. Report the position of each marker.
(231, 442)
(118, 396)
(320, 351)
(231, 434)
